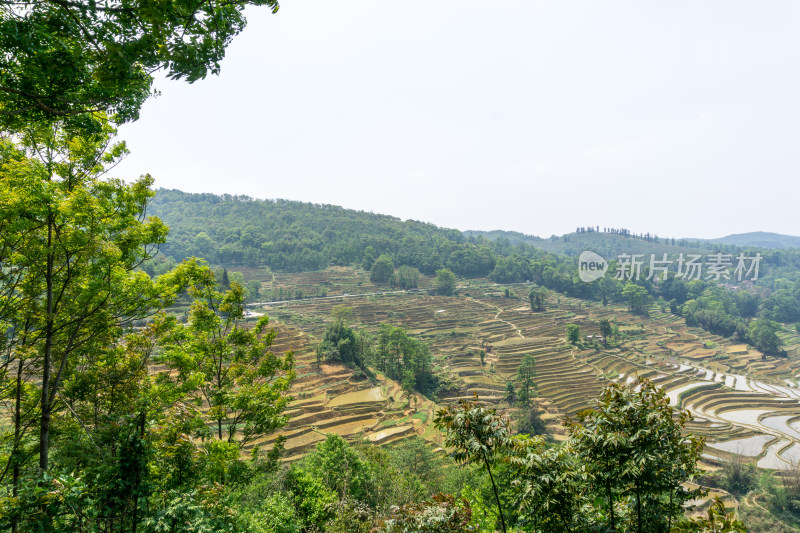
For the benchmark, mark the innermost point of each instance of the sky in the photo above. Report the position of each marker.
(680, 119)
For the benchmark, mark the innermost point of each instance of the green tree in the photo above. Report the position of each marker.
(445, 282)
(537, 296)
(763, 334)
(511, 392)
(341, 469)
(478, 435)
(64, 60)
(72, 242)
(382, 270)
(407, 277)
(242, 382)
(573, 333)
(442, 514)
(605, 329)
(637, 456)
(340, 342)
(397, 354)
(717, 520)
(526, 375)
(552, 496)
(638, 298)
(369, 258)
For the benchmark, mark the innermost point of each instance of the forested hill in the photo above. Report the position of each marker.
(298, 236)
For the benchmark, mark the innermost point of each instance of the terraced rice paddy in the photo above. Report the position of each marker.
(328, 399)
(742, 403)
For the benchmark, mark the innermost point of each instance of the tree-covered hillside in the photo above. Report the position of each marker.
(296, 236)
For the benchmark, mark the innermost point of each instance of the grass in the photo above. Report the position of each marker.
(422, 416)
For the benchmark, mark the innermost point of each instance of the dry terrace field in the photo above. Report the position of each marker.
(742, 403)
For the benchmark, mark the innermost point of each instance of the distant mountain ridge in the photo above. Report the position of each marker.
(574, 243)
(760, 239)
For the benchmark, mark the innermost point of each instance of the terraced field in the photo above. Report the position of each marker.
(742, 402)
(330, 399)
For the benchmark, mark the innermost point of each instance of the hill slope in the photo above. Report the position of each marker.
(760, 239)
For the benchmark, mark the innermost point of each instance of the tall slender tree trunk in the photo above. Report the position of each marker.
(44, 429)
(610, 505)
(15, 473)
(496, 496)
(638, 513)
(669, 517)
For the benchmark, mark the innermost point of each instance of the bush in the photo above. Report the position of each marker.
(442, 514)
(739, 477)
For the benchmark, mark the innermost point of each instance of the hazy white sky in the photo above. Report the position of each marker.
(678, 118)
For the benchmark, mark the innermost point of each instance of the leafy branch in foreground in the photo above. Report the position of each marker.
(478, 435)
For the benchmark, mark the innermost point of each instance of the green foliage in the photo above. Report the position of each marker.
(341, 469)
(739, 477)
(763, 333)
(484, 515)
(243, 383)
(274, 514)
(204, 510)
(405, 359)
(552, 495)
(514, 269)
(477, 435)
(312, 499)
(573, 333)
(783, 305)
(529, 422)
(526, 375)
(511, 392)
(369, 258)
(71, 242)
(382, 270)
(414, 456)
(538, 297)
(445, 282)
(605, 329)
(407, 277)
(783, 495)
(637, 456)
(441, 514)
(64, 60)
(717, 520)
(340, 342)
(471, 261)
(638, 298)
